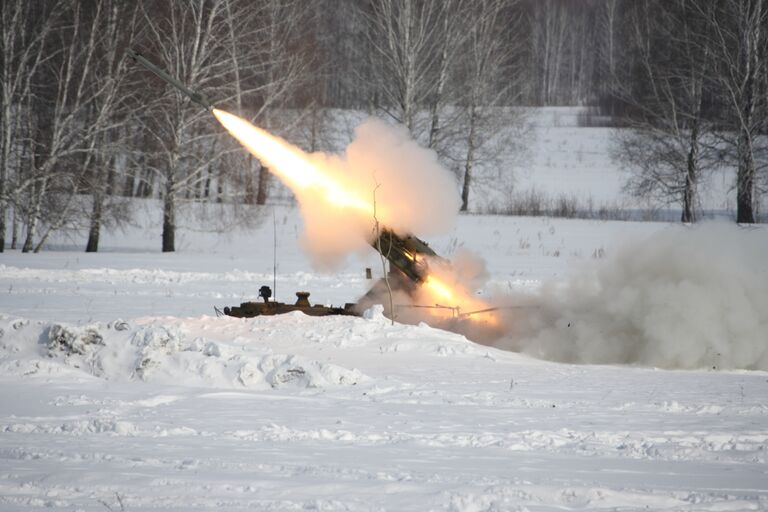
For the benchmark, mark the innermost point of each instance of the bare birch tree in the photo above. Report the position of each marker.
(404, 45)
(61, 137)
(488, 84)
(281, 66)
(25, 28)
(111, 112)
(243, 53)
(737, 30)
(451, 37)
(668, 145)
(190, 41)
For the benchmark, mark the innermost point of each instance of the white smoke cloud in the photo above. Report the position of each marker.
(469, 269)
(414, 193)
(683, 298)
(383, 174)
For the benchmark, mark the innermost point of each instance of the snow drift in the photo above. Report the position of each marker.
(158, 352)
(682, 298)
(292, 351)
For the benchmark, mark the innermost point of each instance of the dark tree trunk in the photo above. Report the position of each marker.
(263, 189)
(29, 240)
(95, 228)
(745, 182)
(750, 39)
(15, 229)
(129, 185)
(465, 187)
(207, 186)
(745, 175)
(470, 160)
(3, 213)
(34, 216)
(169, 217)
(111, 180)
(689, 190)
(5, 150)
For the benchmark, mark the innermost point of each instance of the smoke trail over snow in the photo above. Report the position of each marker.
(413, 192)
(683, 298)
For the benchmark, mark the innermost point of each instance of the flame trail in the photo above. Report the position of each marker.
(289, 163)
(308, 177)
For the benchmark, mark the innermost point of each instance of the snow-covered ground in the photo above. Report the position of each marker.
(567, 160)
(121, 390)
(295, 413)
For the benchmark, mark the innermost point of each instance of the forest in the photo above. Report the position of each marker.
(83, 130)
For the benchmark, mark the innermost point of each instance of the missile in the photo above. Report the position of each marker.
(194, 96)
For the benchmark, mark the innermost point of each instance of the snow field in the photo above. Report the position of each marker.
(300, 413)
(121, 390)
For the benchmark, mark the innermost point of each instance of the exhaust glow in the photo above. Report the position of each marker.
(459, 299)
(290, 163)
(440, 290)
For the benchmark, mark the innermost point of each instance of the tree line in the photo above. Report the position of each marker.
(693, 89)
(83, 129)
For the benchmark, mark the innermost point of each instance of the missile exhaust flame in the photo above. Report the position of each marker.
(312, 178)
(290, 164)
(300, 173)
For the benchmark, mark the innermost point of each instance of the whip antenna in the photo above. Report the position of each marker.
(274, 254)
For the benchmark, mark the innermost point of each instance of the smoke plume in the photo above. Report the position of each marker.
(683, 298)
(383, 176)
(413, 192)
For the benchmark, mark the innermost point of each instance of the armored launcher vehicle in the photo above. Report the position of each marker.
(407, 256)
(268, 307)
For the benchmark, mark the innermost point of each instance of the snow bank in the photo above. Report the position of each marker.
(682, 298)
(292, 350)
(157, 353)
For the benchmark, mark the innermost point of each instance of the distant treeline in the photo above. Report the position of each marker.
(82, 127)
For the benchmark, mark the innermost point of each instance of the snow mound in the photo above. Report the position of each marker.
(160, 353)
(72, 340)
(292, 351)
(373, 332)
